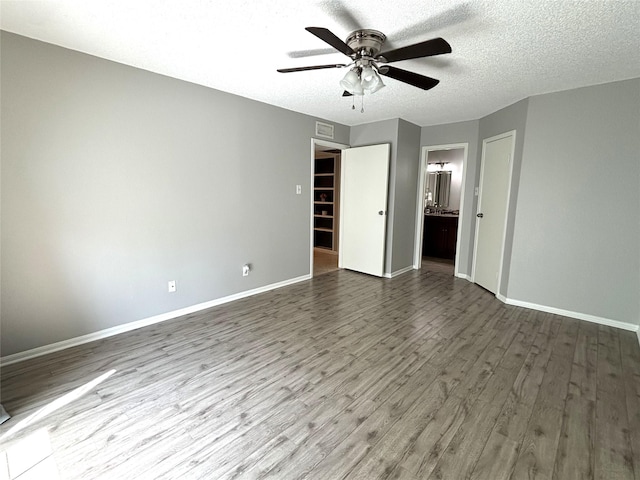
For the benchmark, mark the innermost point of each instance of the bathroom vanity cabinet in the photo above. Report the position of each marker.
(439, 236)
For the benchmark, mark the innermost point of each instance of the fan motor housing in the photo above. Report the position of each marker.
(368, 40)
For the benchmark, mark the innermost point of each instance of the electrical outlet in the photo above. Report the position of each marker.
(172, 286)
(245, 270)
(298, 189)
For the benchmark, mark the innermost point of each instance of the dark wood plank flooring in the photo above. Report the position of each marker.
(346, 376)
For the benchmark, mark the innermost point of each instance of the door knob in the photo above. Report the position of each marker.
(381, 212)
(480, 215)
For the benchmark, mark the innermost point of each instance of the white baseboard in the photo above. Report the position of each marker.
(109, 332)
(399, 272)
(463, 276)
(568, 313)
(638, 334)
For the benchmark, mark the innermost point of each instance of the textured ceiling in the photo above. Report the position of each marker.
(503, 50)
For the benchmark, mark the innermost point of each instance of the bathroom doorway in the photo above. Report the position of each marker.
(439, 212)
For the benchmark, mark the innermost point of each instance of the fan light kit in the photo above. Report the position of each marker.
(363, 47)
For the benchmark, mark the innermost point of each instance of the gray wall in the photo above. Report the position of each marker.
(371, 134)
(462, 132)
(404, 138)
(573, 230)
(116, 180)
(577, 231)
(513, 117)
(406, 194)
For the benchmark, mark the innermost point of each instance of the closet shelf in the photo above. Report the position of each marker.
(325, 195)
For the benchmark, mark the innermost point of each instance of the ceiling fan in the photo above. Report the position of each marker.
(368, 62)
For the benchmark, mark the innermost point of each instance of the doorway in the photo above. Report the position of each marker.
(493, 197)
(439, 212)
(325, 202)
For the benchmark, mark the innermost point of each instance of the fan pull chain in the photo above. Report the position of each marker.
(353, 100)
(362, 109)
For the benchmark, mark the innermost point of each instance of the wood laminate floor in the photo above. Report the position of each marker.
(438, 265)
(424, 376)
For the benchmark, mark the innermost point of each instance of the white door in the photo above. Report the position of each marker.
(364, 180)
(495, 182)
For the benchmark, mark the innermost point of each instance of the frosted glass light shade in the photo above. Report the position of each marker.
(368, 74)
(358, 82)
(351, 81)
(371, 81)
(378, 85)
(357, 89)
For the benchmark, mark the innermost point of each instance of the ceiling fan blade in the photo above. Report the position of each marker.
(313, 67)
(412, 78)
(328, 37)
(435, 46)
(454, 15)
(347, 94)
(311, 53)
(343, 15)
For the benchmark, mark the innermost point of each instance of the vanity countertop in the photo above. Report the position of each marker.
(450, 215)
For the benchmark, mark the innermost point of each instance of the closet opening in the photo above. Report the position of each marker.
(325, 207)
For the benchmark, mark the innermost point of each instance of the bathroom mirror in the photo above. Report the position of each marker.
(437, 189)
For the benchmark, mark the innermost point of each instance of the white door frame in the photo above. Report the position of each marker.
(417, 253)
(322, 143)
(511, 133)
